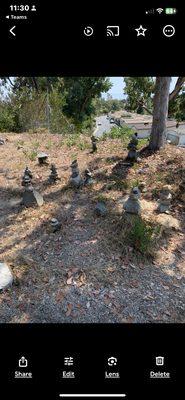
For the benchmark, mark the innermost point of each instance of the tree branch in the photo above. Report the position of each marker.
(177, 88)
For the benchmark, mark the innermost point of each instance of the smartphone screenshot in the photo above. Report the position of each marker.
(92, 200)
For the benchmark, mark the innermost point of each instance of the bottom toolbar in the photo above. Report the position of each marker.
(82, 361)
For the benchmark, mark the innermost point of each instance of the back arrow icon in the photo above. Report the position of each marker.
(11, 31)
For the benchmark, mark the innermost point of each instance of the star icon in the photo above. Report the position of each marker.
(141, 31)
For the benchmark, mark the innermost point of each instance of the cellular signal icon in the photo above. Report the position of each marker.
(113, 30)
(160, 10)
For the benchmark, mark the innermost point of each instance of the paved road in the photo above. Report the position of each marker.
(104, 127)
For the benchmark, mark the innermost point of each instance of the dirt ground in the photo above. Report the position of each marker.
(85, 272)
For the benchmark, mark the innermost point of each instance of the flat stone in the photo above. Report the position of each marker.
(6, 277)
(15, 202)
(31, 198)
(42, 155)
(39, 198)
(168, 222)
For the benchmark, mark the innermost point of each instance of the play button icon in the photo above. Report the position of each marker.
(88, 31)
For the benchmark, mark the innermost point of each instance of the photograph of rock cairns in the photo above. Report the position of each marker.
(92, 200)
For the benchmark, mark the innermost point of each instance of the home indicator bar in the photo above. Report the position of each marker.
(92, 395)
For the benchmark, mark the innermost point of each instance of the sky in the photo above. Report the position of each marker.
(118, 84)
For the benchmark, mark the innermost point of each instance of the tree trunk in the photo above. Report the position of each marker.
(160, 113)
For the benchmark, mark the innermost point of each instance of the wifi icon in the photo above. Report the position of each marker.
(109, 32)
(160, 10)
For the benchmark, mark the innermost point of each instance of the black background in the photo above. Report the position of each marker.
(135, 345)
(52, 41)
(53, 44)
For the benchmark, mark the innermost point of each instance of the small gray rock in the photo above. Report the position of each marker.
(6, 277)
(100, 209)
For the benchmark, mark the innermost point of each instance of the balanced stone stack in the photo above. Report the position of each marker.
(75, 178)
(88, 180)
(27, 177)
(133, 205)
(42, 158)
(28, 172)
(30, 196)
(26, 181)
(94, 145)
(165, 200)
(55, 225)
(132, 147)
(53, 178)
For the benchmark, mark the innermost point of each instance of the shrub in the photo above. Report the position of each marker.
(83, 145)
(31, 155)
(71, 140)
(142, 235)
(8, 120)
(124, 133)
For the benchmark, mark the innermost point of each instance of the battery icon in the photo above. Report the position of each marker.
(170, 10)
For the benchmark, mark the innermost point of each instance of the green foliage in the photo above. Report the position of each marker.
(71, 140)
(9, 121)
(142, 235)
(20, 142)
(103, 106)
(56, 119)
(142, 143)
(101, 197)
(83, 145)
(74, 156)
(48, 144)
(138, 90)
(30, 154)
(80, 93)
(118, 185)
(124, 133)
(134, 183)
(177, 107)
(61, 105)
(126, 115)
(36, 145)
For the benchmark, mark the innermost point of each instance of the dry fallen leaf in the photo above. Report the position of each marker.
(111, 269)
(81, 280)
(60, 297)
(69, 309)
(70, 281)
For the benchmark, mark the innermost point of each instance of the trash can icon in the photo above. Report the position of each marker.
(159, 360)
